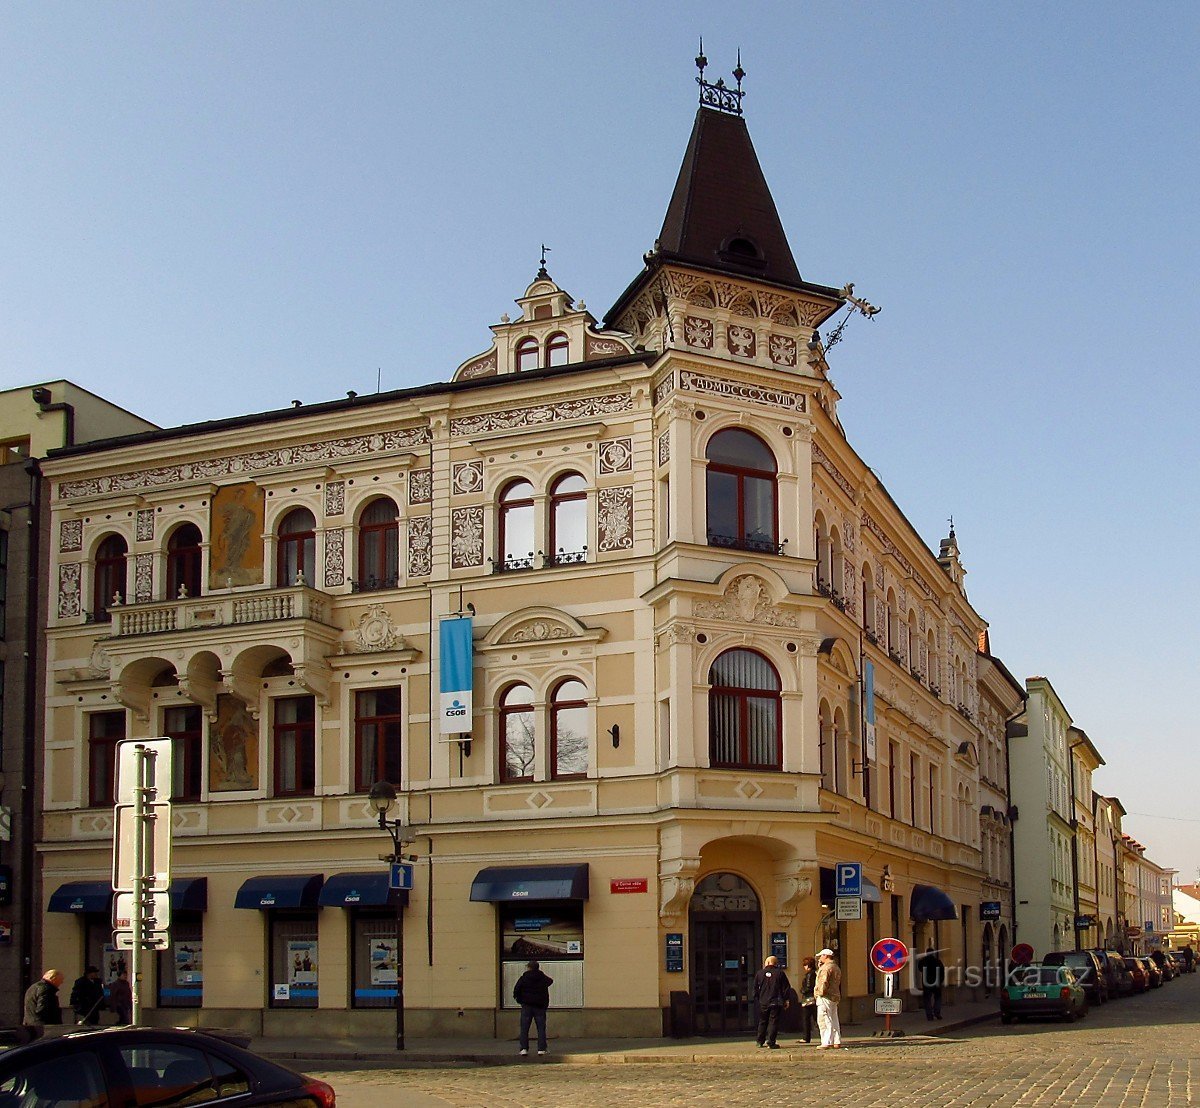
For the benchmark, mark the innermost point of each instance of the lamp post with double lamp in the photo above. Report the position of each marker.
(382, 796)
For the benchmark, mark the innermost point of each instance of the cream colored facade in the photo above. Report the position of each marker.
(707, 770)
(1085, 759)
(1109, 878)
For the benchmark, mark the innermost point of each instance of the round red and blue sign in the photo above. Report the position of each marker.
(889, 955)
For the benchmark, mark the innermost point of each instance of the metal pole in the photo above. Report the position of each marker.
(139, 883)
(399, 972)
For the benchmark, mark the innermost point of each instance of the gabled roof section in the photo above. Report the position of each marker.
(722, 215)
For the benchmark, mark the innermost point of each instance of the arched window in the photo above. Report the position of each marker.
(931, 661)
(516, 526)
(297, 548)
(836, 576)
(516, 734)
(893, 626)
(570, 736)
(841, 743)
(821, 551)
(527, 354)
(827, 748)
(568, 520)
(741, 493)
(868, 603)
(558, 349)
(911, 643)
(183, 562)
(378, 546)
(745, 726)
(108, 581)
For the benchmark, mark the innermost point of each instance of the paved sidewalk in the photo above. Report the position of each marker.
(424, 1053)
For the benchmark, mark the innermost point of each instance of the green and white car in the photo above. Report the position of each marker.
(1041, 990)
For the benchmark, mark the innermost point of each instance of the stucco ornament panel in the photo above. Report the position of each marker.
(698, 332)
(823, 460)
(144, 527)
(335, 498)
(616, 456)
(664, 388)
(420, 486)
(376, 631)
(739, 390)
(257, 461)
(143, 578)
(335, 556)
(466, 537)
(790, 890)
(420, 546)
(603, 348)
(614, 518)
(484, 366)
(466, 478)
(537, 415)
(539, 630)
(69, 577)
(664, 448)
(742, 342)
(783, 350)
(70, 535)
(746, 600)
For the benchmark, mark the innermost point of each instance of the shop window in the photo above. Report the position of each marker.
(185, 725)
(105, 730)
(378, 546)
(181, 965)
(293, 735)
(740, 492)
(570, 733)
(527, 355)
(296, 553)
(745, 726)
(516, 526)
(183, 562)
(558, 349)
(376, 737)
(550, 932)
(516, 734)
(293, 954)
(108, 580)
(375, 950)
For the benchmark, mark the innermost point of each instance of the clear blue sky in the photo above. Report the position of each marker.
(215, 208)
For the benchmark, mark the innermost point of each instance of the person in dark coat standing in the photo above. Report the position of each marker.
(771, 990)
(808, 998)
(120, 998)
(532, 993)
(87, 997)
(932, 971)
(42, 1008)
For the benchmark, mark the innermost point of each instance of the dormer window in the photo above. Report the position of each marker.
(527, 355)
(743, 248)
(558, 349)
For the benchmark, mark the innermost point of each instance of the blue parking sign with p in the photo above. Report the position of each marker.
(848, 878)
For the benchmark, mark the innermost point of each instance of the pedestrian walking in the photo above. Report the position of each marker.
(87, 997)
(931, 971)
(532, 993)
(120, 998)
(828, 991)
(42, 1008)
(808, 998)
(771, 990)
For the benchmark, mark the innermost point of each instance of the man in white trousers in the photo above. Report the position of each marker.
(828, 992)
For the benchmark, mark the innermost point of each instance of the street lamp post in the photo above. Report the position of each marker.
(382, 797)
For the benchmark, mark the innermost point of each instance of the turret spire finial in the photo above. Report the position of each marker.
(719, 95)
(542, 275)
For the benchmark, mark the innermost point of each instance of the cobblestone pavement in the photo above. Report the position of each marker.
(1140, 1052)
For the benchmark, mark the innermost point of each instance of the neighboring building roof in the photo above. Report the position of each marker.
(1187, 906)
(1086, 743)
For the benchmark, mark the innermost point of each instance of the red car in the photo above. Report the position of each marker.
(1141, 979)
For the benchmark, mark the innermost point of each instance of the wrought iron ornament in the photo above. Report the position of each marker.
(719, 95)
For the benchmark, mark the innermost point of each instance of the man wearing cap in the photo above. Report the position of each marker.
(87, 997)
(532, 993)
(828, 991)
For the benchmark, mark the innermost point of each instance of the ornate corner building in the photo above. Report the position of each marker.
(680, 573)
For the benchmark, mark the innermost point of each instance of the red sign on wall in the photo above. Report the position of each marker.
(628, 885)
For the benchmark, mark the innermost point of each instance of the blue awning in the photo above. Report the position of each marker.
(502, 883)
(189, 894)
(280, 891)
(82, 896)
(361, 890)
(930, 903)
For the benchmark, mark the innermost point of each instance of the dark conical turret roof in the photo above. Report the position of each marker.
(722, 215)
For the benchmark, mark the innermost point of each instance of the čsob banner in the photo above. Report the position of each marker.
(869, 709)
(455, 651)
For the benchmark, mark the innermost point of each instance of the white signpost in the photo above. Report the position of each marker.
(142, 853)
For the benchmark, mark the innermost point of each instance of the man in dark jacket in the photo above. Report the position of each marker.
(532, 993)
(771, 989)
(932, 972)
(87, 997)
(41, 1001)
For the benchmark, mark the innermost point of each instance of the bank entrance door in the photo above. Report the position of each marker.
(725, 936)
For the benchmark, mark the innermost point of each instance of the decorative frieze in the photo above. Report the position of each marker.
(466, 537)
(466, 478)
(614, 518)
(145, 525)
(540, 415)
(595, 347)
(420, 546)
(664, 388)
(484, 366)
(256, 461)
(420, 486)
(69, 577)
(825, 462)
(889, 547)
(740, 390)
(335, 557)
(70, 535)
(616, 456)
(143, 578)
(335, 498)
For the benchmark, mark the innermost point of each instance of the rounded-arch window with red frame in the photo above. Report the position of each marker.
(297, 548)
(570, 729)
(558, 349)
(568, 518)
(527, 355)
(516, 733)
(741, 496)
(745, 723)
(183, 561)
(378, 545)
(516, 523)
(108, 581)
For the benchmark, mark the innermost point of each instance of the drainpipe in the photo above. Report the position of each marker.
(29, 743)
(1074, 849)
(1009, 728)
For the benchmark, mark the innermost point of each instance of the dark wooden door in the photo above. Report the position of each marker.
(724, 960)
